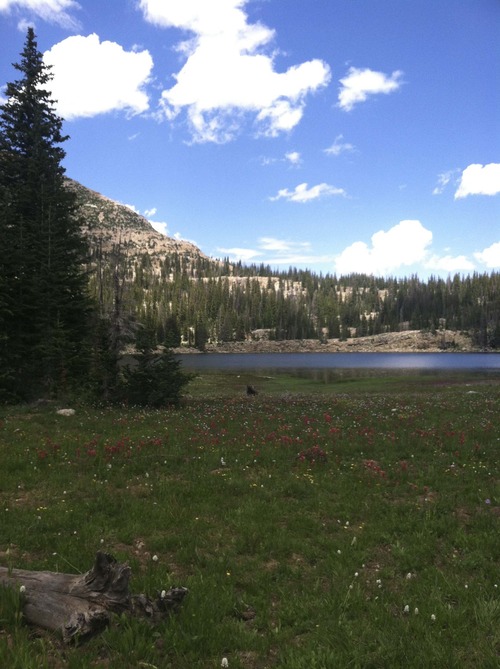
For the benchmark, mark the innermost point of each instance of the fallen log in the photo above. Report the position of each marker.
(79, 606)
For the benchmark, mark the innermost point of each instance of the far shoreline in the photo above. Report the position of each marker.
(409, 341)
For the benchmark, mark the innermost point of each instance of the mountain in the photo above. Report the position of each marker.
(109, 225)
(178, 295)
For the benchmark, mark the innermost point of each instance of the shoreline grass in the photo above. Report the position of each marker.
(351, 523)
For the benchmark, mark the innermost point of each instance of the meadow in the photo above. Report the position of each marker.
(352, 523)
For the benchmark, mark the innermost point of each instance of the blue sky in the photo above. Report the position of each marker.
(334, 135)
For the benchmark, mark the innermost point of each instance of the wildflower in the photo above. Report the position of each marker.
(155, 558)
(408, 576)
(406, 609)
(224, 662)
(433, 617)
(22, 589)
(163, 594)
(416, 611)
(487, 501)
(223, 464)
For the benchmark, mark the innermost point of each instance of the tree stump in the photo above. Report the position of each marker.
(80, 606)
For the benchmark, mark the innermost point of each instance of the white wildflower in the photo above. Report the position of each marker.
(406, 609)
(155, 558)
(22, 589)
(433, 617)
(224, 662)
(163, 594)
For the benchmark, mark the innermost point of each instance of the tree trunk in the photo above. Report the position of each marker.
(79, 606)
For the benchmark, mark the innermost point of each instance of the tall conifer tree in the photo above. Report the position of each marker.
(44, 304)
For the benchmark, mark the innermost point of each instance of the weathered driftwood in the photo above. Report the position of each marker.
(79, 606)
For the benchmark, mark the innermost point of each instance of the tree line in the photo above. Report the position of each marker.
(193, 302)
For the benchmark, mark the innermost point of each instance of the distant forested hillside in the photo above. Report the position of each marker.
(194, 301)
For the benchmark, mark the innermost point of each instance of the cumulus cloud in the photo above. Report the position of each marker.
(490, 256)
(93, 77)
(361, 83)
(339, 146)
(401, 246)
(227, 74)
(302, 193)
(51, 11)
(479, 180)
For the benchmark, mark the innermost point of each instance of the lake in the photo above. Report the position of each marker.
(338, 361)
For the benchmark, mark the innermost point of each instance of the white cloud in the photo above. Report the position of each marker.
(293, 157)
(285, 252)
(402, 245)
(159, 226)
(303, 193)
(339, 146)
(51, 11)
(227, 75)
(479, 180)
(281, 245)
(360, 83)
(93, 77)
(443, 180)
(490, 256)
(449, 263)
(237, 253)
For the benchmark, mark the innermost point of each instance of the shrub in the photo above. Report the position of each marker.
(155, 380)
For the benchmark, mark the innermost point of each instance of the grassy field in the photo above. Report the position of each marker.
(322, 524)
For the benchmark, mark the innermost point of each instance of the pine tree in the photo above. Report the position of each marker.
(43, 287)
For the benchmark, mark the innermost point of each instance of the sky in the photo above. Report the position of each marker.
(337, 136)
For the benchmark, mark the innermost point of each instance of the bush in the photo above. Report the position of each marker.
(156, 380)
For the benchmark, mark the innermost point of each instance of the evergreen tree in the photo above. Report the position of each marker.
(44, 298)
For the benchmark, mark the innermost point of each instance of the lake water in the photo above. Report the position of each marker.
(342, 361)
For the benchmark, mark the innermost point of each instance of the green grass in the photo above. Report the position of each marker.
(341, 502)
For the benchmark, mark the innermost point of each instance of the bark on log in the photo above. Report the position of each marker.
(79, 606)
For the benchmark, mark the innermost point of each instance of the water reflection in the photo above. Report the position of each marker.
(334, 362)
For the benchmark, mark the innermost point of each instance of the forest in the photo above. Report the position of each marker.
(195, 301)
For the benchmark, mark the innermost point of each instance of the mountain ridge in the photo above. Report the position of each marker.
(108, 224)
(170, 286)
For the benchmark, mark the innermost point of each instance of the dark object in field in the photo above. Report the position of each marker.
(80, 606)
(251, 390)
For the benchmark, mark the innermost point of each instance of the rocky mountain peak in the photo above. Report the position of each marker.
(109, 225)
